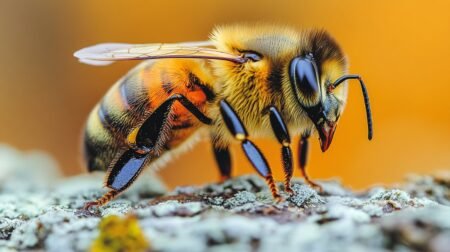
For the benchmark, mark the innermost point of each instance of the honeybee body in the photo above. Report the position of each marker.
(256, 81)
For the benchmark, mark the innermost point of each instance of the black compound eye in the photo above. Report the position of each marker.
(253, 56)
(303, 73)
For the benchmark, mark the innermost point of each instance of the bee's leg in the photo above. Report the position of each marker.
(281, 132)
(303, 149)
(223, 159)
(123, 173)
(252, 152)
(149, 138)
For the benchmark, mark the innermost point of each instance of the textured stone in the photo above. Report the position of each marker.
(238, 214)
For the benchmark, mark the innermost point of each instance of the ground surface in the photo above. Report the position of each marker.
(40, 210)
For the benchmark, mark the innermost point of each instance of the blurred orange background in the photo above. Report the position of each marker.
(401, 48)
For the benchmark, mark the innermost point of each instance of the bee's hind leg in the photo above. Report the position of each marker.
(252, 152)
(149, 139)
(119, 177)
(303, 149)
(281, 132)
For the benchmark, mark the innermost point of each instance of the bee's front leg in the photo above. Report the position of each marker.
(281, 132)
(303, 149)
(254, 155)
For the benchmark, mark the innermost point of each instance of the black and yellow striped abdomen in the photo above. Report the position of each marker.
(133, 98)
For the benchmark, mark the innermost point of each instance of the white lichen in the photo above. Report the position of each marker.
(171, 207)
(394, 195)
(305, 195)
(239, 199)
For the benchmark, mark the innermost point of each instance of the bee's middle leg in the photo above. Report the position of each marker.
(223, 160)
(254, 155)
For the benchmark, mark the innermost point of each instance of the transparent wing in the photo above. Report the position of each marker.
(105, 54)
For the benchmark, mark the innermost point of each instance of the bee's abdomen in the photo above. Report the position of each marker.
(108, 125)
(134, 98)
(98, 144)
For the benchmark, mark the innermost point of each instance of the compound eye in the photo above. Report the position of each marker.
(253, 56)
(303, 73)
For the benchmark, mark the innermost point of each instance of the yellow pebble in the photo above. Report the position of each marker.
(120, 234)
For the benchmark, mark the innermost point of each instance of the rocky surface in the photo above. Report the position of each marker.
(40, 210)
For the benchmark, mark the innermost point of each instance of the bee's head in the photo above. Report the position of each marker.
(317, 78)
(296, 71)
(316, 96)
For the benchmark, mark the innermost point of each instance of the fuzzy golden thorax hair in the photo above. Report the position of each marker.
(253, 86)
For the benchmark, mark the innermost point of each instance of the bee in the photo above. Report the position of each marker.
(247, 81)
